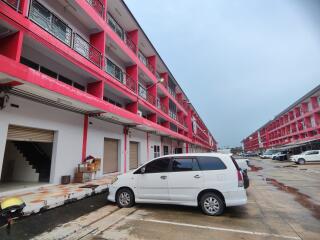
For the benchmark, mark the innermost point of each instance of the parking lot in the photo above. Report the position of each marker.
(283, 203)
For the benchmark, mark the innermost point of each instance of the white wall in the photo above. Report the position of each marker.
(68, 129)
(22, 170)
(99, 130)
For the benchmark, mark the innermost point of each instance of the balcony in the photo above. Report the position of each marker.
(151, 99)
(163, 108)
(86, 50)
(121, 76)
(121, 33)
(50, 22)
(97, 6)
(15, 4)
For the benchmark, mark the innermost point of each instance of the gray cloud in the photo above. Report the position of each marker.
(240, 62)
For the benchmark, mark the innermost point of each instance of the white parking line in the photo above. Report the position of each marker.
(221, 229)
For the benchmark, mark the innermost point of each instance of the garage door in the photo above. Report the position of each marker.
(26, 134)
(110, 159)
(133, 155)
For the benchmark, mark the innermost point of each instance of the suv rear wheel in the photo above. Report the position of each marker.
(212, 204)
(125, 198)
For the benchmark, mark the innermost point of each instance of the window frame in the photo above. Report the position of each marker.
(194, 159)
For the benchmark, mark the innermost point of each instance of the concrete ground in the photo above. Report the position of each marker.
(283, 203)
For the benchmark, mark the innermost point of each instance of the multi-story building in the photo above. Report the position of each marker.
(298, 124)
(81, 78)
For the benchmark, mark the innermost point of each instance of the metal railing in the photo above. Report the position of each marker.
(150, 67)
(151, 98)
(163, 108)
(15, 4)
(50, 22)
(130, 43)
(120, 75)
(97, 5)
(86, 50)
(130, 83)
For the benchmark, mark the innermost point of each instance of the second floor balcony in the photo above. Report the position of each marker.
(121, 76)
(97, 5)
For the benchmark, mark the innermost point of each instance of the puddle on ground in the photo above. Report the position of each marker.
(299, 197)
(253, 168)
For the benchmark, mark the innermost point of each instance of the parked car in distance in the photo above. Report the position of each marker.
(307, 156)
(281, 156)
(269, 153)
(211, 181)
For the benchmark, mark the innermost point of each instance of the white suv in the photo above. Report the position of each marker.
(307, 156)
(212, 181)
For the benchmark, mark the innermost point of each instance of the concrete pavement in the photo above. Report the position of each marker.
(283, 204)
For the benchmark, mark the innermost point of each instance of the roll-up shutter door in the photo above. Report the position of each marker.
(133, 155)
(20, 133)
(110, 160)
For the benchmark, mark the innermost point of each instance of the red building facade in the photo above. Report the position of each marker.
(299, 123)
(91, 60)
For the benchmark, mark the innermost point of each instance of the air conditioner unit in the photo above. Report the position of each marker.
(139, 113)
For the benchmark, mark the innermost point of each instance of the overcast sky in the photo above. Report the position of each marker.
(240, 62)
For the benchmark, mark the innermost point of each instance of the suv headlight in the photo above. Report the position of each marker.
(114, 180)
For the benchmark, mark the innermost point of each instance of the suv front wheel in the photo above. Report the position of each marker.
(125, 198)
(212, 204)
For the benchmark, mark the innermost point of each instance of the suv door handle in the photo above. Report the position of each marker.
(163, 177)
(197, 176)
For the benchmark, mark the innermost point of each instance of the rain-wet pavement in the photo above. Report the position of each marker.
(283, 203)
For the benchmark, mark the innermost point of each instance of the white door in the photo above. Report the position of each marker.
(313, 156)
(153, 183)
(185, 180)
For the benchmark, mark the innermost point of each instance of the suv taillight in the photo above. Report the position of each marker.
(240, 179)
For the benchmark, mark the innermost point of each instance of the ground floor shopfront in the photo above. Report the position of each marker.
(41, 143)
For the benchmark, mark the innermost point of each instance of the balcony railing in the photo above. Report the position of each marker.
(121, 33)
(150, 67)
(15, 4)
(151, 98)
(130, 43)
(97, 6)
(49, 22)
(163, 108)
(142, 91)
(86, 50)
(121, 76)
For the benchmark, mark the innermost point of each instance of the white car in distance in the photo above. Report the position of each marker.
(307, 156)
(211, 181)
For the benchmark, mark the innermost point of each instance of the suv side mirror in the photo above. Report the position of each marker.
(143, 170)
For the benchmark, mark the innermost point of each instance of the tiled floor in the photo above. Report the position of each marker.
(50, 196)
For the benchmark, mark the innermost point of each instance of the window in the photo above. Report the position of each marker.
(211, 163)
(48, 72)
(172, 109)
(171, 87)
(114, 70)
(115, 27)
(184, 164)
(156, 151)
(173, 127)
(29, 63)
(142, 91)
(48, 21)
(165, 150)
(159, 165)
(79, 86)
(65, 80)
(142, 58)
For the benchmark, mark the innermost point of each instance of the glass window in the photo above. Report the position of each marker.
(211, 163)
(159, 165)
(165, 150)
(156, 150)
(114, 70)
(184, 164)
(115, 27)
(142, 58)
(142, 91)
